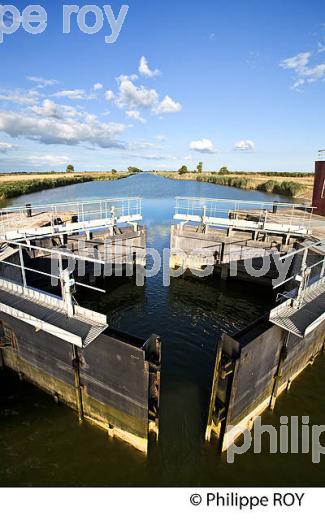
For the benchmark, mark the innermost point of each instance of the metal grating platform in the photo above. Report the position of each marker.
(302, 321)
(49, 316)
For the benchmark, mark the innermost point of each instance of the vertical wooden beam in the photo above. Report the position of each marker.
(222, 252)
(278, 375)
(322, 269)
(77, 384)
(215, 380)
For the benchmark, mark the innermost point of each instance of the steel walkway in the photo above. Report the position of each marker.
(301, 321)
(46, 312)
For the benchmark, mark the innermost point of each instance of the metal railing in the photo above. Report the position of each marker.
(232, 213)
(305, 270)
(54, 253)
(12, 218)
(239, 250)
(321, 155)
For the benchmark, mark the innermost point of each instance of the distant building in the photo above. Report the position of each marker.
(319, 184)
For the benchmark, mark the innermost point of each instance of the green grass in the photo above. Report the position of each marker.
(17, 188)
(270, 174)
(286, 188)
(235, 182)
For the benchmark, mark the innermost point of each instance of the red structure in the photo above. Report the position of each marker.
(319, 185)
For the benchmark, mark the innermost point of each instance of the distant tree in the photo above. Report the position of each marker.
(70, 168)
(114, 171)
(183, 169)
(133, 169)
(224, 170)
(200, 167)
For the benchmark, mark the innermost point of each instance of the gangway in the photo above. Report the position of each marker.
(303, 309)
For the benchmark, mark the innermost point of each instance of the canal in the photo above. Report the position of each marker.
(41, 444)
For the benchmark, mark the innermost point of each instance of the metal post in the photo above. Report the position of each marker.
(28, 210)
(302, 282)
(113, 215)
(67, 284)
(22, 265)
(204, 213)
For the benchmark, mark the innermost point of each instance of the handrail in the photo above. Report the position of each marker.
(12, 209)
(16, 219)
(249, 202)
(304, 267)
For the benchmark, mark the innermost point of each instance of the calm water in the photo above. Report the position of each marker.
(41, 444)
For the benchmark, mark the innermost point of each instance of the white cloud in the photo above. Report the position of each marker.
(297, 62)
(98, 86)
(20, 96)
(161, 138)
(5, 147)
(152, 157)
(298, 84)
(320, 47)
(168, 106)
(109, 95)
(47, 109)
(42, 83)
(132, 96)
(142, 144)
(50, 109)
(316, 72)
(49, 130)
(203, 146)
(305, 74)
(145, 70)
(245, 145)
(135, 114)
(72, 94)
(49, 159)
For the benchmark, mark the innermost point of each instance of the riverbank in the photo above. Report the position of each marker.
(295, 185)
(16, 184)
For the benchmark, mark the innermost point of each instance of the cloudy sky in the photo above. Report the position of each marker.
(236, 83)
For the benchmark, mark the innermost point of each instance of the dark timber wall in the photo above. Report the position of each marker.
(108, 382)
(252, 368)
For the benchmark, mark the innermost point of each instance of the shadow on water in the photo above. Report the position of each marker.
(41, 444)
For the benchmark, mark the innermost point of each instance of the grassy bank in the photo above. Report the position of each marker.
(280, 183)
(15, 188)
(286, 188)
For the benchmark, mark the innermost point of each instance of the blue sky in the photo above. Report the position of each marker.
(235, 83)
